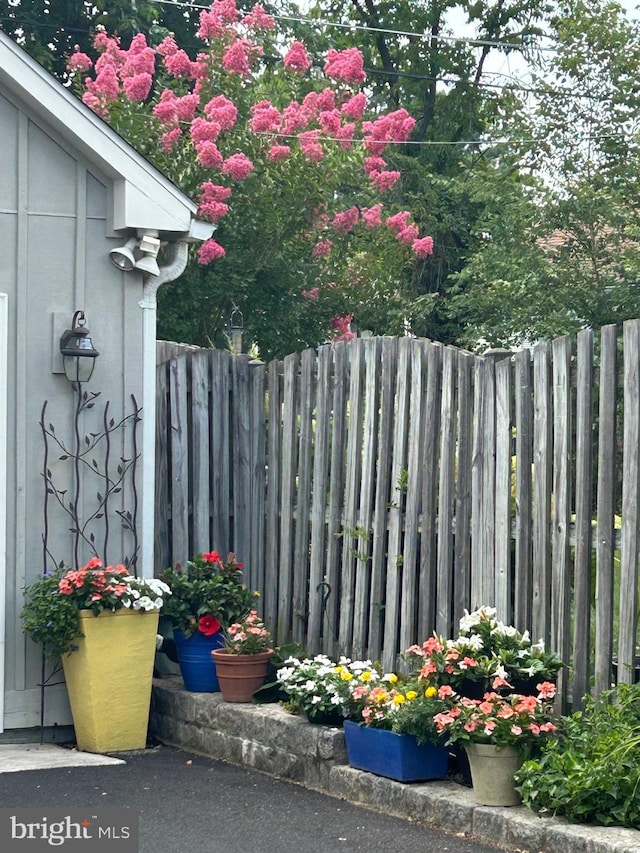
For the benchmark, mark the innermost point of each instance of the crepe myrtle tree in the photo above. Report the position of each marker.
(287, 156)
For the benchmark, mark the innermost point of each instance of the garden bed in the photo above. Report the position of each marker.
(267, 738)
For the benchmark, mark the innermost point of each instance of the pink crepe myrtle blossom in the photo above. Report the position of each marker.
(322, 249)
(383, 181)
(312, 294)
(209, 155)
(399, 220)
(294, 118)
(179, 64)
(222, 111)
(139, 59)
(408, 235)
(423, 247)
(137, 88)
(329, 121)
(238, 166)
(79, 62)
(204, 131)
(309, 145)
(170, 139)
(167, 46)
(210, 251)
(238, 57)
(345, 135)
(265, 117)
(372, 216)
(341, 327)
(186, 107)
(345, 66)
(297, 58)
(373, 164)
(166, 110)
(354, 108)
(258, 19)
(345, 220)
(278, 152)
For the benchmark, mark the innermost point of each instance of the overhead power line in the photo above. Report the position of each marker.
(424, 36)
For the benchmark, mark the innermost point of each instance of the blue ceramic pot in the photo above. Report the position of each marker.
(392, 755)
(196, 664)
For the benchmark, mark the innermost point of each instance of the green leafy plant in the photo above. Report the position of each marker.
(207, 594)
(590, 772)
(50, 615)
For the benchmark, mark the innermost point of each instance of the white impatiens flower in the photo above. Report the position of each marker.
(474, 642)
(538, 647)
(505, 630)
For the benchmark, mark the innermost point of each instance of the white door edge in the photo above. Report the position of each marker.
(4, 334)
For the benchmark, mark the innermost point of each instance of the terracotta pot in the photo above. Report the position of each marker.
(492, 769)
(240, 676)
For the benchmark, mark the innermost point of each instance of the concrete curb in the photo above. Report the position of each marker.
(267, 738)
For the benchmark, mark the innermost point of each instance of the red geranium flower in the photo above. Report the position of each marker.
(212, 557)
(208, 625)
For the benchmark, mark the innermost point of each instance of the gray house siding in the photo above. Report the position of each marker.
(54, 245)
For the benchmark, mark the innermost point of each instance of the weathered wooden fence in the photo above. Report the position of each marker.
(374, 489)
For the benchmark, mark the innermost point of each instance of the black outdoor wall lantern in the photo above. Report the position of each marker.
(78, 353)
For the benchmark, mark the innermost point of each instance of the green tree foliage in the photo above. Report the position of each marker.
(566, 257)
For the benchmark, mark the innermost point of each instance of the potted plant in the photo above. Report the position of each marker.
(208, 595)
(316, 686)
(102, 623)
(486, 655)
(497, 733)
(243, 661)
(391, 730)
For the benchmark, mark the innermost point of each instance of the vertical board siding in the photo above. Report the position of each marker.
(376, 489)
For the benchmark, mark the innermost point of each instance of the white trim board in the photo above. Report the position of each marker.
(4, 334)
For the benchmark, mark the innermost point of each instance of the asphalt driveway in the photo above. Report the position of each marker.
(192, 804)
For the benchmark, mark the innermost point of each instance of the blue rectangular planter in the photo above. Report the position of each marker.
(392, 755)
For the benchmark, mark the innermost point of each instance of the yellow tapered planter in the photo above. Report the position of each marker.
(109, 679)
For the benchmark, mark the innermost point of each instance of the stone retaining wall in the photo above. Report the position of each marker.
(267, 738)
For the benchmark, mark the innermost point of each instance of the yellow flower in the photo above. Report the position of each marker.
(430, 691)
(411, 694)
(392, 678)
(365, 676)
(338, 668)
(398, 699)
(345, 675)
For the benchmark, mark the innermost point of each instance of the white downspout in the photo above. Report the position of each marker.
(179, 253)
